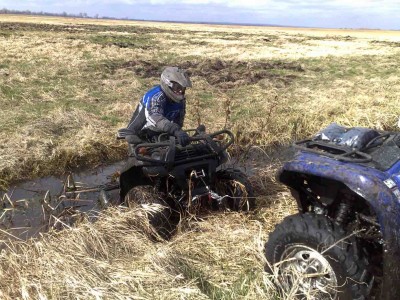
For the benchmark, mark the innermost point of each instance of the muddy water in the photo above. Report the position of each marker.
(31, 207)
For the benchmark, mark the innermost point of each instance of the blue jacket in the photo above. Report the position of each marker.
(156, 112)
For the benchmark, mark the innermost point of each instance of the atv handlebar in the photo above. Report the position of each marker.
(170, 147)
(209, 138)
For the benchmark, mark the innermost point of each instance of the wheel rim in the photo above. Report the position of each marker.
(307, 274)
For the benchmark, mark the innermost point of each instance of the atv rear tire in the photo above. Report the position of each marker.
(235, 184)
(159, 212)
(317, 260)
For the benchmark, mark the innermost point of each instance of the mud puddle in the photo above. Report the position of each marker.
(36, 206)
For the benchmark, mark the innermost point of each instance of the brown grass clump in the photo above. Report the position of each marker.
(73, 262)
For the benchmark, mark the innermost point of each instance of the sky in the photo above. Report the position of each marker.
(372, 14)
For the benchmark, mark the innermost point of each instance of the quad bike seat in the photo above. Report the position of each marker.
(355, 138)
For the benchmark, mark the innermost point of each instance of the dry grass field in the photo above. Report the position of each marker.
(67, 85)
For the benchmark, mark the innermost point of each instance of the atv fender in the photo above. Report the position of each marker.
(131, 176)
(368, 184)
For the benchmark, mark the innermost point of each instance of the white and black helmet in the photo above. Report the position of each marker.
(174, 82)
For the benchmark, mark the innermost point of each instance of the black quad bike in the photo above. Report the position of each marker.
(183, 179)
(344, 243)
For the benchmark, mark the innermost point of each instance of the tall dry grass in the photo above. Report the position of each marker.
(213, 257)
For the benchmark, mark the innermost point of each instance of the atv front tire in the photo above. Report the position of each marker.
(237, 189)
(158, 211)
(313, 258)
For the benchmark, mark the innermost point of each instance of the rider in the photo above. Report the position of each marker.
(162, 108)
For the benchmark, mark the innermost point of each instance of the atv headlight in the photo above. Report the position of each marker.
(389, 183)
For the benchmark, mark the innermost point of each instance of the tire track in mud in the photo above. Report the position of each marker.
(221, 73)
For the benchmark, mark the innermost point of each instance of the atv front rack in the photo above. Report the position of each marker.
(169, 153)
(329, 149)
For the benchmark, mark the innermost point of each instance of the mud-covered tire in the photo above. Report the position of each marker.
(159, 214)
(235, 184)
(309, 243)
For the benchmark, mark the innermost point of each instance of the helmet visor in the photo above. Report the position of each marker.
(177, 88)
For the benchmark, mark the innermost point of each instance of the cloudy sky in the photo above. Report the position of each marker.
(379, 14)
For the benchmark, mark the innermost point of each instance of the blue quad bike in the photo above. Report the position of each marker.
(344, 242)
(190, 179)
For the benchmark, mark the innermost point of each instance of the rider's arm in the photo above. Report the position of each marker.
(137, 121)
(155, 114)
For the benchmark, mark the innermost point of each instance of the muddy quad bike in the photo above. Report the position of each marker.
(344, 243)
(183, 178)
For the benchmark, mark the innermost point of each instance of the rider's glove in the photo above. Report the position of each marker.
(171, 127)
(201, 129)
(182, 136)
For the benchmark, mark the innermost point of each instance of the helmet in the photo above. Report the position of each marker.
(174, 82)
